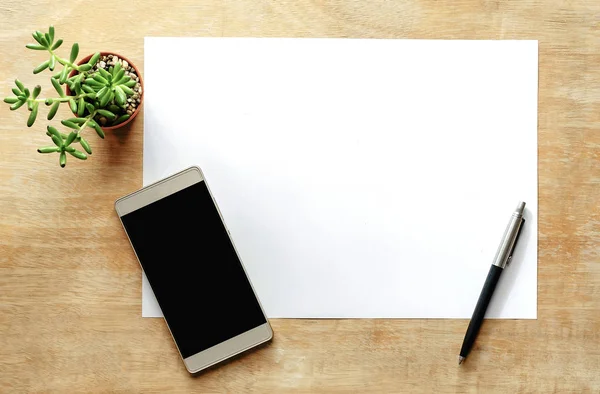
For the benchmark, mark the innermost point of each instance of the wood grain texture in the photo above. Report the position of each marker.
(70, 288)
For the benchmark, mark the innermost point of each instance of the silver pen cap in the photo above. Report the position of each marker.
(520, 208)
(509, 239)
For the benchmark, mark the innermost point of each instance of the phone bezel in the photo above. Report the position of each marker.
(161, 189)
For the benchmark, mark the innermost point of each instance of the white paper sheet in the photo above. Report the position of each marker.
(360, 178)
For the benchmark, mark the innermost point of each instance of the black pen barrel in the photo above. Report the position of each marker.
(479, 312)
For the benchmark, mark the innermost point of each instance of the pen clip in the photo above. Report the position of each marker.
(515, 243)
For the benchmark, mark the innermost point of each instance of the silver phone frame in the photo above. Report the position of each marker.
(163, 188)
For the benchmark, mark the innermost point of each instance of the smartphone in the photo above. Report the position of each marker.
(185, 249)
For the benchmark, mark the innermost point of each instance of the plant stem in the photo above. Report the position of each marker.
(87, 119)
(60, 99)
(63, 61)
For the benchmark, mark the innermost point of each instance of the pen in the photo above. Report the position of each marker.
(501, 260)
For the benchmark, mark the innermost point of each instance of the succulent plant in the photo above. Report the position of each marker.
(94, 92)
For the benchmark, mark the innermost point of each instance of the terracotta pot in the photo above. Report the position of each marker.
(137, 72)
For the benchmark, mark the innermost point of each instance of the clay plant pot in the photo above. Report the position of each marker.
(137, 72)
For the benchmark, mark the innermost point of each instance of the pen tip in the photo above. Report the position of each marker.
(460, 359)
(520, 208)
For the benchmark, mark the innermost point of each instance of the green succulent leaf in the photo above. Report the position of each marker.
(92, 82)
(78, 121)
(44, 41)
(49, 149)
(57, 141)
(52, 63)
(57, 44)
(123, 80)
(122, 118)
(77, 88)
(85, 146)
(107, 113)
(36, 91)
(70, 124)
(130, 83)
(120, 76)
(20, 85)
(106, 98)
(78, 154)
(113, 108)
(100, 79)
(111, 97)
(36, 47)
(88, 89)
(51, 33)
(101, 92)
(41, 67)
(17, 92)
(74, 52)
(53, 110)
(90, 107)
(117, 69)
(70, 138)
(33, 114)
(57, 138)
(98, 129)
(57, 87)
(94, 59)
(63, 159)
(47, 36)
(53, 131)
(49, 101)
(127, 90)
(80, 107)
(63, 75)
(73, 105)
(120, 96)
(85, 67)
(11, 100)
(38, 37)
(104, 73)
(17, 105)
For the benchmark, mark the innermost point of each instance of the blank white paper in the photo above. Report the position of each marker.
(359, 178)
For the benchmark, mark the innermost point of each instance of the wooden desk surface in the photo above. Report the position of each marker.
(70, 288)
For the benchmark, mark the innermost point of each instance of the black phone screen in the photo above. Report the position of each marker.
(193, 269)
